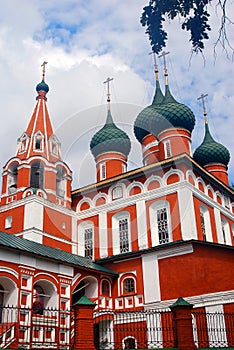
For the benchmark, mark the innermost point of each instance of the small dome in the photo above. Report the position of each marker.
(42, 86)
(110, 139)
(210, 151)
(171, 114)
(141, 125)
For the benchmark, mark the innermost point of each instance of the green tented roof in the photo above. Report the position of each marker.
(26, 246)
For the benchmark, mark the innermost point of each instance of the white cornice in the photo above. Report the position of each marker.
(202, 300)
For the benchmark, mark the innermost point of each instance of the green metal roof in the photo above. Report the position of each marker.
(26, 246)
(84, 301)
(141, 128)
(110, 139)
(181, 302)
(210, 151)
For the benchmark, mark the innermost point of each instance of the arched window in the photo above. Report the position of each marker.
(37, 175)
(38, 299)
(12, 178)
(1, 301)
(205, 224)
(38, 141)
(129, 343)
(54, 146)
(117, 192)
(128, 286)
(225, 230)
(105, 288)
(60, 182)
(88, 242)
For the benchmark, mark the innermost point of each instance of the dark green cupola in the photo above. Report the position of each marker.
(210, 151)
(171, 114)
(141, 125)
(110, 138)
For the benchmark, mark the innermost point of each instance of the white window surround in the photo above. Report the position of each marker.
(54, 146)
(8, 222)
(124, 168)
(207, 225)
(81, 236)
(117, 192)
(115, 231)
(167, 149)
(153, 221)
(38, 141)
(23, 143)
(225, 232)
(102, 171)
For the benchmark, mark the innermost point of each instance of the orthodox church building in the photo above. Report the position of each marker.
(133, 239)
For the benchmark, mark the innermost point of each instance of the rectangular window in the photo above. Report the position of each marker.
(162, 221)
(203, 226)
(88, 242)
(123, 236)
(124, 168)
(8, 222)
(167, 148)
(102, 171)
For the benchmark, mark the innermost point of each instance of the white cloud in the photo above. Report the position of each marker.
(84, 42)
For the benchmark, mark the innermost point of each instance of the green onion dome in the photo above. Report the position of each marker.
(210, 151)
(141, 128)
(110, 139)
(171, 114)
(42, 86)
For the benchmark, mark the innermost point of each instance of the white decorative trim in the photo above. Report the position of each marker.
(149, 145)
(10, 271)
(202, 300)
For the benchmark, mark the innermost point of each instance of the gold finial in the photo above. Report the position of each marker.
(108, 80)
(155, 64)
(202, 97)
(163, 54)
(43, 70)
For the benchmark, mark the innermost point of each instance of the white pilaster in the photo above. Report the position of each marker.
(103, 235)
(187, 214)
(218, 225)
(151, 278)
(141, 224)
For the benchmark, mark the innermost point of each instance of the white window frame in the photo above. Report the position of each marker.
(115, 231)
(8, 222)
(204, 212)
(167, 149)
(102, 171)
(81, 237)
(88, 241)
(225, 231)
(38, 136)
(153, 210)
(117, 192)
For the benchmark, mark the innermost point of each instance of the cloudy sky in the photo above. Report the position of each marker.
(84, 42)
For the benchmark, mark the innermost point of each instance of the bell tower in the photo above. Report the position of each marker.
(36, 178)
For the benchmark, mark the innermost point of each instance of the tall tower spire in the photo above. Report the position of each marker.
(38, 167)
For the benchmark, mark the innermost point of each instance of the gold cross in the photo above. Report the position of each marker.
(108, 80)
(163, 54)
(43, 69)
(202, 97)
